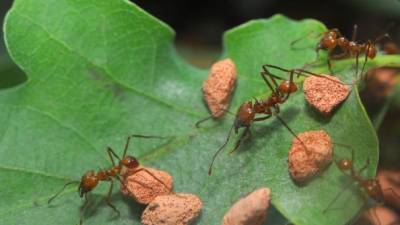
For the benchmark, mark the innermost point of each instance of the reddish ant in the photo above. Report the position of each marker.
(371, 186)
(246, 114)
(91, 178)
(333, 39)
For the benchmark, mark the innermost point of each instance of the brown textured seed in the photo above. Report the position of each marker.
(305, 163)
(325, 94)
(219, 86)
(173, 209)
(143, 187)
(250, 210)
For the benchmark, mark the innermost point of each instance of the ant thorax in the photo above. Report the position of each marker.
(88, 182)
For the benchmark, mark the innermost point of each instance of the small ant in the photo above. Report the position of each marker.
(246, 114)
(332, 39)
(91, 178)
(371, 186)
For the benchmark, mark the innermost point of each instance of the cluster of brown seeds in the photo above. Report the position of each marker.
(164, 207)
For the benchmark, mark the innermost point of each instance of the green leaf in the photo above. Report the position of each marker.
(101, 70)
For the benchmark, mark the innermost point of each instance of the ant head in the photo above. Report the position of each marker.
(343, 42)
(345, 164)
(374, 189)
(244, 115)
(130, 162)
(329, 40)
(287, 87)
(88, 182)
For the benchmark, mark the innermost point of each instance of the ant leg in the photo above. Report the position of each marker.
(62, 189)
(306, 73)
(355, 28)
(108, 198)
(290, 130)
(336, 197)
(364, 167)
(245, 135)
(82, 209)
(301, 38)
(263, 75)
(262, 118)
(339, 56)
(110, 154)
(197, 124)
(378, 39)
(266, 73)
(357, 63)
(365, 59)
(138, 136)
(219, 150)
(328, 60)
(126, 187)
(317, 48)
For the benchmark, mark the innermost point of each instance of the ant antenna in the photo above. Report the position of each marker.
(62, 189)
(302, 38)
(219, 150)
(197, 124)
(138, 136)
(306, 73)
(355, 28)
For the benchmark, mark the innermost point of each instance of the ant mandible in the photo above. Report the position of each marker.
(90, 179)
(246, 114)
(371, 186)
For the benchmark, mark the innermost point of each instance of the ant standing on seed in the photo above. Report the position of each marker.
(333, 39)
(91, 178)
(246, 114)
(371, 186)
